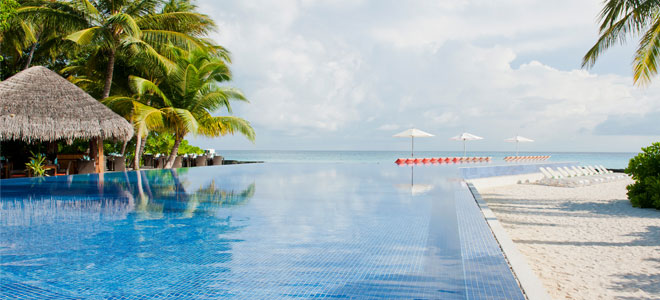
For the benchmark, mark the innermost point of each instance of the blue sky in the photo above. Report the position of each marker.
(347, 75)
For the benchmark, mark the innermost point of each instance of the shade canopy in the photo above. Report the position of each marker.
(466, 137)
(518, 139)
(413, 132)
(38, 104)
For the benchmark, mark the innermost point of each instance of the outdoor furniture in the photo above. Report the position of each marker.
(178, 162)
(201, 161)
(49, 169)
(117, 163)
(160, 162)
(66, 171)
(5, 170)
(217, 160)
(15, 173)
(148, 160)
(86, 167)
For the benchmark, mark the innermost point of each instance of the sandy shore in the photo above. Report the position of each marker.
(583, 243)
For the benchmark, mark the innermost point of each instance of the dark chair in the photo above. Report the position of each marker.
(201, 161)
(119, 164)
(178, 162)
(64, 172)
(86, 167)
(16, 173)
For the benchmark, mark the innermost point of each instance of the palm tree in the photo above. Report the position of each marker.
(187, 97)
(131, 107)
(36, 31)
(622, 19)
(135, 28)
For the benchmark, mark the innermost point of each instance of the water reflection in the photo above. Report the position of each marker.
(72, 233)
(150, 194)
(414, 188)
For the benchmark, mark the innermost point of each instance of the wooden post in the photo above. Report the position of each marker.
(97, 153)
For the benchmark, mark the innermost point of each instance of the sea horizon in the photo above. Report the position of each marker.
(612, 160)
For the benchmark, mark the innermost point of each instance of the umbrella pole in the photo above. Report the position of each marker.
(517, 148)
(412, 146)
(463, 148)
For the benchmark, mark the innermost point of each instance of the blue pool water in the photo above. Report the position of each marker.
(260, 231)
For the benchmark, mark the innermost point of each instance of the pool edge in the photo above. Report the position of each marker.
(529, 283)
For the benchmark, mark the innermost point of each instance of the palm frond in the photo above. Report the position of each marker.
(219, 126)
(147, 117)
(190, 23)
(125, 23)
(178, 39)
(85, 36)
(122, 105)
(645, 64)
(620, 20)
(139, 47)
(143, 86)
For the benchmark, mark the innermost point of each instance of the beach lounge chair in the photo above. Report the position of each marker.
(579, 171)
(547, 174)
(562, 172)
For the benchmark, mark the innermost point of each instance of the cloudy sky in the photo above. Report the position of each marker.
(348, 74)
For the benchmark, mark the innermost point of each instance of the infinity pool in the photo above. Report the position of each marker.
(260, 231)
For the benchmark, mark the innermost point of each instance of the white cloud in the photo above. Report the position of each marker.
(328, 74)
(389, 127)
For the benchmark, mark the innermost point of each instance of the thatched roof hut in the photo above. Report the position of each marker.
(37, 104)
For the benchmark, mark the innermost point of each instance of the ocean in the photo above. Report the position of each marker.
(611, 160)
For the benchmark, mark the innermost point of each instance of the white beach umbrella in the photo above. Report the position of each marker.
(466, 137)
(412, 133)
(518, 139)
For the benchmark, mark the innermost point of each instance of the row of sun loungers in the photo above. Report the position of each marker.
(526, 158)
(575, 176)
(441, 160)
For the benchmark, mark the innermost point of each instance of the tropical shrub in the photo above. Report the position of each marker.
(36, 165)
(645, 170)
(162, 143)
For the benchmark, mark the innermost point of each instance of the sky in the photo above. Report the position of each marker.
(349, 74)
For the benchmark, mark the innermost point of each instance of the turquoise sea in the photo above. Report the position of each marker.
(613, 160)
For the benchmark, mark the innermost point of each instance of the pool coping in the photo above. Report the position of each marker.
(529, 283)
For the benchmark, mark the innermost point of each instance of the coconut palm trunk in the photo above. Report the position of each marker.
(175, 150)
(108, 74)
(142, 145)
(123, 147)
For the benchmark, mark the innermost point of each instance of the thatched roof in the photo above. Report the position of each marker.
(38, 104)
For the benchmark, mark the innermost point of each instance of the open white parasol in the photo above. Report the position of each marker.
(466, 137)
(412, 134)
(518, 139)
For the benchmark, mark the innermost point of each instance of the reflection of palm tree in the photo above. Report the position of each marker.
(216, 197)
(164, 190)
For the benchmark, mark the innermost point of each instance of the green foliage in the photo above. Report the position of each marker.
(162, 143)
(7, 11)
(76, 147)
(36, 165)
(623, 19)
(645, 170)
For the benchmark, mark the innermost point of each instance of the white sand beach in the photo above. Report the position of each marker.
(583, 243)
